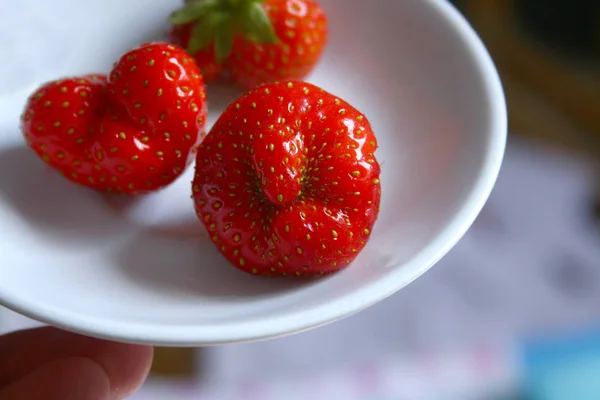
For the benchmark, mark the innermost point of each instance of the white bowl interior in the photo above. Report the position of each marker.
(144, 271)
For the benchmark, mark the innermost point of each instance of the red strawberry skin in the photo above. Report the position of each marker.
(133, 132)
(205, 58)
(287, 182)
(300, 26)
(301, 29)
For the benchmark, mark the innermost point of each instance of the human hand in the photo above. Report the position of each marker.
(50, 364)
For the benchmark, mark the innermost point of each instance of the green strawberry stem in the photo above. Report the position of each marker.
(217, 22)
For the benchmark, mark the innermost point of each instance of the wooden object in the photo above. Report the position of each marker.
(176, 362)
(549, 97)
(572, 89)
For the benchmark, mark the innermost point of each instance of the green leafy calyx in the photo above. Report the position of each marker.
(217, 22)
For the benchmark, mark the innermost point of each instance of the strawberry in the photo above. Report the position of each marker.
(134, 131)
(254, 41)
(205, 58)
(287, 183)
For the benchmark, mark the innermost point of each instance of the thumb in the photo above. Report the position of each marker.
(75, 378)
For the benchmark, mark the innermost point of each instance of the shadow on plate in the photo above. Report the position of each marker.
(51, 204)
(183, 224)
(221, 93)
(176, 266)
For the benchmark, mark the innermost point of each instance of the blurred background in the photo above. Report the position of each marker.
(513, 312)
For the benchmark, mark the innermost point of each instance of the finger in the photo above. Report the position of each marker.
(25, 351)
(62, 379)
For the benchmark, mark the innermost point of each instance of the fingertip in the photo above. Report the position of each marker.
(126, 366)
(62, 379)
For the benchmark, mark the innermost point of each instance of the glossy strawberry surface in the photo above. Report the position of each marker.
(287, 182)
(205, 58)
(301, 29)
(286, 44)
(133, 132)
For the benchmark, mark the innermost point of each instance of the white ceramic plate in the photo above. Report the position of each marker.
(145, 272)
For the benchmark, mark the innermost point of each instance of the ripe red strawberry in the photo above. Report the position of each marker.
(287, 181)
(205, 58)
(255, 41)
(133, 132)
